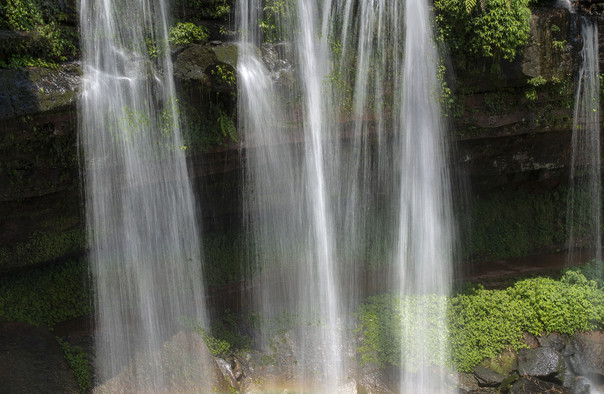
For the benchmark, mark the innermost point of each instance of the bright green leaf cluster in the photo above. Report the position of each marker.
(481, 323)
(278, 20)
(499, 28)
(45, 18)
(188, 33)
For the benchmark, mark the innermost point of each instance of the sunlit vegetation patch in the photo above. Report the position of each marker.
(482, 323)
(52, 39)
(483, 29)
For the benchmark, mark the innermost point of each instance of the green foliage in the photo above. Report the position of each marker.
(531, 95)
(45, 18)
(537, 81)
(482, 323)
(223, 335)
(78, 362)
(18, 61)
(505, 225)
(220, 10)
(194, 9)
(218, 347)
(278, 23)
(224, 254)
(592, 270)
(43, 247)
(45, 296)
(224, 74)
(499, 28)
(227, 126)
(383, 319)
(188, 33)
(446, 98)
(559, 45)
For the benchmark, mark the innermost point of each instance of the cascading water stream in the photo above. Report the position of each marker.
(140, 210)
(424, 254)
(584, 205)
(347, 169)
(289, 209)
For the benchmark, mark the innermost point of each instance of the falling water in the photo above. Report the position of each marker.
(289, 208)
(347, 171)
(140, 211)
(424, 249)
(584, 205)
(397, 101)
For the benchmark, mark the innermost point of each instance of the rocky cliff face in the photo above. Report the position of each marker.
(511, 123)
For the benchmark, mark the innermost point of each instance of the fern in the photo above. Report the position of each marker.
(227, 126)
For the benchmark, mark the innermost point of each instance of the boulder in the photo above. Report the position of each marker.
(553, 340)
(548, 53)
(37, 90)
(585, 353)
(191, 64)
(375, 380)
(467, 382)
(578, 385)
(532, 386)
(543, 362)
(487, 377)
(187, 366)
(32, 361)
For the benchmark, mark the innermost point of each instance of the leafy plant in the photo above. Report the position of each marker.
(481, 323)
(559, 45)
(220, 10)
(227, 126)
(497, 29)
(278, 20)
(188, 33)
(78, 362)
(59, 42)
(46, 296)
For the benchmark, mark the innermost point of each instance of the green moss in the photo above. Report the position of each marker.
(224, 254)
(42, 247)
(46, 296)
(503, 364)
(482, 323)
(79, 364)
(506, 225)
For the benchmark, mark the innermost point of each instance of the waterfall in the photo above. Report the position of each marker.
(140, 211)
(346, 161)
(584, 204)
(287, 184)
(424, 253)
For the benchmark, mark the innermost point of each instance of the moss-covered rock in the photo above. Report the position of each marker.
(37, 90)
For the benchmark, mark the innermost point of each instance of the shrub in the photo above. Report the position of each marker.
(496, 28)
(188, 33)
(44, 18)
(481, 323)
